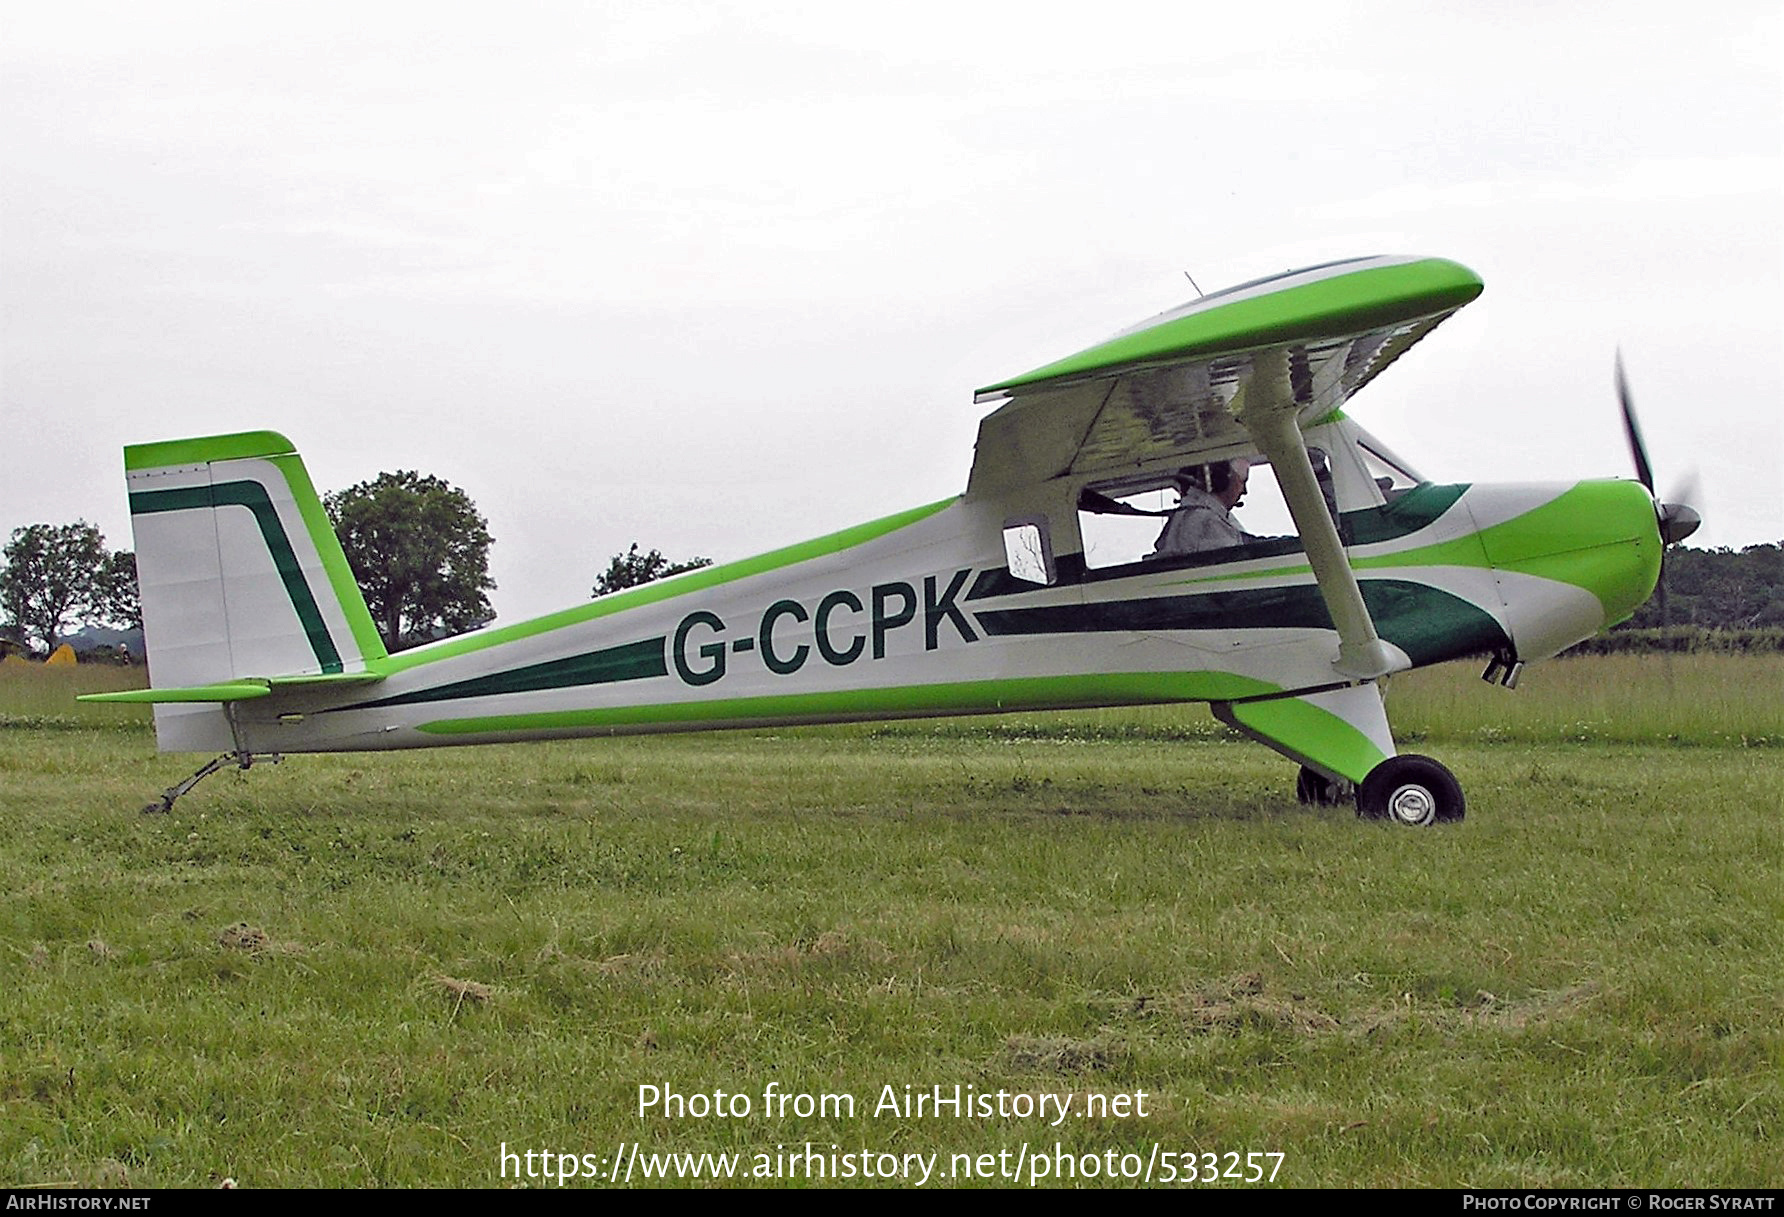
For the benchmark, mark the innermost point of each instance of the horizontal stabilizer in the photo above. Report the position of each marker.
(234, 690)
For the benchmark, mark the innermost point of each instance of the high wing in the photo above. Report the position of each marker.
(1244, 369)
(1173, 387)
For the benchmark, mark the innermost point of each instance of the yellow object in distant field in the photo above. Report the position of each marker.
(61, 657)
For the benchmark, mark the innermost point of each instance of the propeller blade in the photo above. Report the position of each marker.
(1644, 472)
(1678, 518)
(1675, 517)
(1685, 490)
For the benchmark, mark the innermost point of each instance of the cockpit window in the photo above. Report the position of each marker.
(1393, 475)
(1119, 524)
(1127, 520)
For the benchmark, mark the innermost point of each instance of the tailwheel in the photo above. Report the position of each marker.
(1317, 790)
(1411, 790)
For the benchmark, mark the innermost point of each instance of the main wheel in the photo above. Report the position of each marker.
(1317, 790)
(1412, 790)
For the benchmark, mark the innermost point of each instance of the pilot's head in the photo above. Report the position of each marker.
(1238, 476)
(1225, 480)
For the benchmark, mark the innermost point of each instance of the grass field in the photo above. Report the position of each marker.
(366, 970)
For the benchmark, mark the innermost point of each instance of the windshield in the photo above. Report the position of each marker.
(1392, 474)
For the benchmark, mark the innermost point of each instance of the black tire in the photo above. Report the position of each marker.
(1411, 790)
(1315, 789)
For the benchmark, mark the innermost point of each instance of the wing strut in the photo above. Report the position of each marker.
(1267, 410)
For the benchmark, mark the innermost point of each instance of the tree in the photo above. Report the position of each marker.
(54, 574)
(633, 568)
(421, 552)
(120, 600)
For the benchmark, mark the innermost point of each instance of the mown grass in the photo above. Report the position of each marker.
(1705, 699)
(1702, 699)
(377, 969)
(34, 695)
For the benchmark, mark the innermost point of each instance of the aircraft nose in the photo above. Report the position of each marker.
(1580, 564)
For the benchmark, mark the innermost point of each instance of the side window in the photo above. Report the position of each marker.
(1122, 520)
(1264, 512)
(1120, 524)
(1028, 550)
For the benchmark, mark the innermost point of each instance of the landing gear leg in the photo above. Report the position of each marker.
(1336, 736)
(241, 760)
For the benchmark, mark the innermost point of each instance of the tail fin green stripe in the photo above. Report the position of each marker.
(334, 560)
(254, 497)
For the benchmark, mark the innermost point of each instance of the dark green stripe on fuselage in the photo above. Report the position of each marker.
(632, 661)
(1417, 508)
(253, 496)
(1428, 624)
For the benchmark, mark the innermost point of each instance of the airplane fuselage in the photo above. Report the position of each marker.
(918, 615)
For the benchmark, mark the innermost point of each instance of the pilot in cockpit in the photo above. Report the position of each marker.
(1203, 519)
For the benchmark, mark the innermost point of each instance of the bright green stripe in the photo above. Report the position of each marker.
(1344, 304)
(1275, 572)
(1576, 537)
(240, 690)
(207, 448)
(976, 696)
(1311, 733)
(253, 496)
(652, 593)
(1601, 536)
(334, 558)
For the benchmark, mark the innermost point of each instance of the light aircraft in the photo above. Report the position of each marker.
(260, 644)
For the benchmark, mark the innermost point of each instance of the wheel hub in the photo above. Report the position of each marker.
(1412, 804)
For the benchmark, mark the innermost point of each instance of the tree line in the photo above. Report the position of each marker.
(1726, 601)
(417, 545)
(1718, 589)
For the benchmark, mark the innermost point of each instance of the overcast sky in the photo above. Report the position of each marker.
(716, 278)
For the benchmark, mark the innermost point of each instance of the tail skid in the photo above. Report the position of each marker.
(241, 760)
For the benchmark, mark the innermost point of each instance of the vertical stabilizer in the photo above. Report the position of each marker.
(241, 575)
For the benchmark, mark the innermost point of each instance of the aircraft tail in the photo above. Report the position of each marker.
(241, 576)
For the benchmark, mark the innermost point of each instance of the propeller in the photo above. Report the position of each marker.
(1676, 517)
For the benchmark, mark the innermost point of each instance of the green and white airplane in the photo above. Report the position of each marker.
(260, 644)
